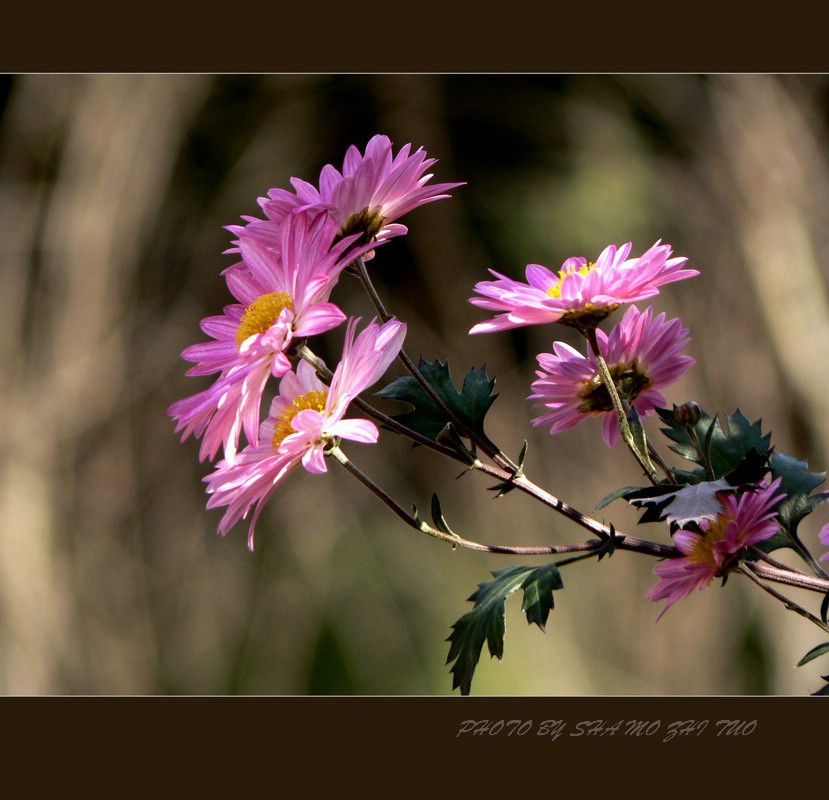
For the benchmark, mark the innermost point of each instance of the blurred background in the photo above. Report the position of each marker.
(115, 190)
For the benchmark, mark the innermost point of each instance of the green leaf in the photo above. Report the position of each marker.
(824, 607)
(725, 451)
(824, 690)
(437, 517)
(796, 478)
(795, 507)
(470, 404)
(814, 653)
(797, 482)
(692, 503)
(485, 623)
(538, 588)
(615, 495)
(779, 540)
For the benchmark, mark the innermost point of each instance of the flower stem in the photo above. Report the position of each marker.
(789, 604)
(489, 447)
(706, 464)
(456, 541)
(804, 553)
(627, 435)
(776, 571)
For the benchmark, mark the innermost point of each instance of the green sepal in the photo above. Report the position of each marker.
(470, 404)
(640, 440)
(814, 653)
(437, 517)
(486, 624)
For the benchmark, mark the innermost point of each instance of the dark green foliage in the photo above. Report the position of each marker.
(796, 478)
(797, 482)
(485, 623)
(470, 404)
(738, 455)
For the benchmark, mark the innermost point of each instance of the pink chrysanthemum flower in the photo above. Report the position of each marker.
(580, 294)
(823, 536)
(744, 521)
(643, 355)
(371, 192)
(303, 419)
(282, 298)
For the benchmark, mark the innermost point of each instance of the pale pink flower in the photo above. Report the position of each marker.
(824, 539)
(304, 418)
(283, 297)
(365, 198)
(744, 521)
(643, 355)
(580, 294)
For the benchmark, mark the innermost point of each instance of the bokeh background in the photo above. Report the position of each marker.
(115, 190)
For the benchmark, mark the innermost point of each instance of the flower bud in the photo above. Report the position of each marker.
(687, 414)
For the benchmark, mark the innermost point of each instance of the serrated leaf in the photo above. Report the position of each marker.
(470, 404)
(486, 624)
(797, 506)
(814, 653)
(725, 451)
(616, 495)
(538, 588)
(796, 478)
(658, 494)
(752, 469)
(692, 503)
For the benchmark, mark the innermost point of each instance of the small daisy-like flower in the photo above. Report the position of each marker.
(304, 419)
(744, 521)
(371, 192)
(643, 355)
(580, 294)
(283, 297)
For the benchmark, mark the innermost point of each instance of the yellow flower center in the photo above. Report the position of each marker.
(555, 290)
(702, 551)
(315, 399)
(262, 313)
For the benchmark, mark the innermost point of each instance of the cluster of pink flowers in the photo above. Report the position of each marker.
(290, 263)
(642, 353)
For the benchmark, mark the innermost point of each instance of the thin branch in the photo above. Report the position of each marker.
(788, 603)
(490, 448)
(455, 540)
